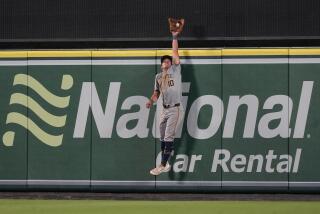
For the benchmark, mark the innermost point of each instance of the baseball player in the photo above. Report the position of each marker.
(168, 83)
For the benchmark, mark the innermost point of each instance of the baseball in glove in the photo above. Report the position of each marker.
(176, 25)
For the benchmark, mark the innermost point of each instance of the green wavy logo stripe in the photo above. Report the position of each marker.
(28, 102)
(29, 81)
(44, 115)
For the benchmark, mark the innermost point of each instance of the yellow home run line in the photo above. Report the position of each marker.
(254, 52)
(311, 51)
(28, 102)
(154, 53)
(13, 54)
(29, 81)
(66, 53)
(27, 123)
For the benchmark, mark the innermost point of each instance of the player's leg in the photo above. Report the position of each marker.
(170, 131)
(172, 117)
(162, 125)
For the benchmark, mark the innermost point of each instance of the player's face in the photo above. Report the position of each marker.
(166, 64)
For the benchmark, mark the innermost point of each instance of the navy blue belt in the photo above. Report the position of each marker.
(169, 106)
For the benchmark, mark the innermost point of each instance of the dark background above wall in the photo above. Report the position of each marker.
(142, 23)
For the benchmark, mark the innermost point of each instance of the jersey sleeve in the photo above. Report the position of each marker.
(176, 68)
(156, 84)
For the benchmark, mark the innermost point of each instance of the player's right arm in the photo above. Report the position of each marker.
(153, 98)
(156, 93)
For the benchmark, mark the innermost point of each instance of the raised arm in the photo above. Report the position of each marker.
(175, 52)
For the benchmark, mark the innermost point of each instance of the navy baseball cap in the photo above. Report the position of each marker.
(166, 57)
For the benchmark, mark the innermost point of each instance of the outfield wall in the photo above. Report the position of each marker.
(76, 120)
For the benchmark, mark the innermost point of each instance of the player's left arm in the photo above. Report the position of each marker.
(175, 47)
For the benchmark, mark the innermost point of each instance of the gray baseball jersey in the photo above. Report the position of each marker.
(170, 85)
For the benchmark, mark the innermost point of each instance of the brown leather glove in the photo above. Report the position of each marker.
(176, 25)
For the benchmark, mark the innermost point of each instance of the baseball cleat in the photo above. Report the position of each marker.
(160, 169)
(167, 168)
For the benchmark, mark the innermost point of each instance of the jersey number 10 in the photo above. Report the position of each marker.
(170, 83)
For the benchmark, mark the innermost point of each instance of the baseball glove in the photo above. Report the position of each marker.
(176, 25)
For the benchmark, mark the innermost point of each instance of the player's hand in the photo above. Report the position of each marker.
(149, 104)
(175, 33)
